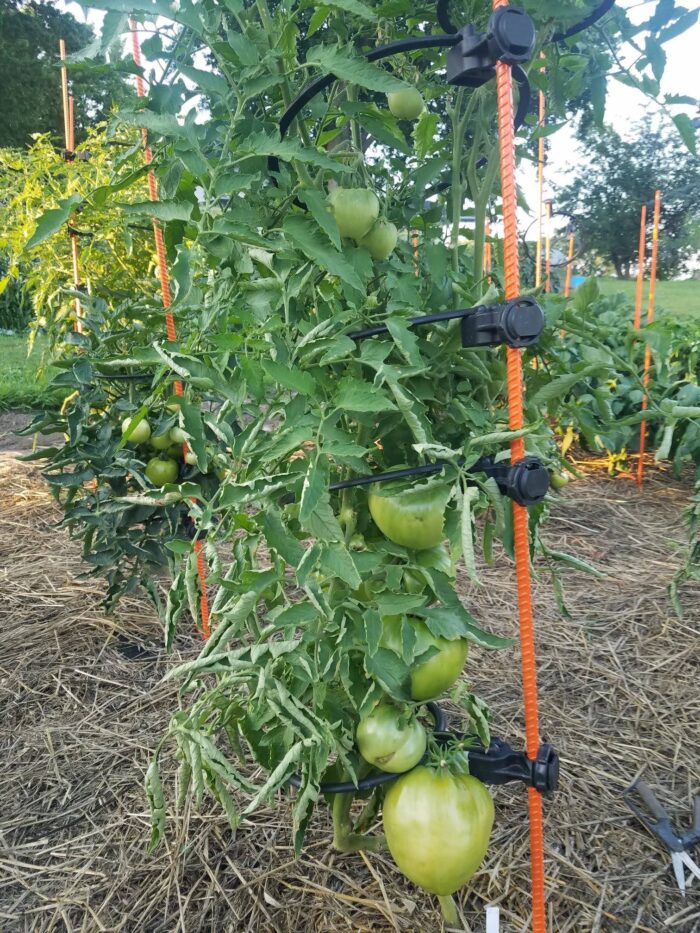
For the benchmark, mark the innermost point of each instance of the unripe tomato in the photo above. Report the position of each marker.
(141, 432)
(437, 827)
(390, 739)
(413, 518)
(160, 471)
(437, 673)
(406, 104)
(161, 441)
(177, 436)
(558, 480)
(191, 458)
(355, 210)
(381, 240)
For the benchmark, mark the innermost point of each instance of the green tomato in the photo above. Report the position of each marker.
(177, 436)
(191, 458)
(406, 104)
(160, 471)
(390, 739)
(558, 480)
(413, 518)
(381, 240)
(161, 441)
(141, 432)
(438, 827)
(438, 672)
(355, 210)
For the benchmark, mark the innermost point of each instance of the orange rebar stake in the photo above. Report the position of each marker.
(640, 269)
(167, 302)
(69, 135)
(520, 517)
(548, 250)
(650, 318)
(569, 265)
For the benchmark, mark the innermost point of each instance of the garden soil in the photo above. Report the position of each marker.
(84, 705)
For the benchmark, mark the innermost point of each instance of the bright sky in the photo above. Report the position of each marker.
(624, 105)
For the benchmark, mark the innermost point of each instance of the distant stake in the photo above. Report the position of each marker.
(640, 268)
(69, 136)
(650, 318)
(540, 188)
(569, 265)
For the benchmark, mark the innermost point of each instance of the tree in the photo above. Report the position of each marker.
(31, 88)
(620, 175)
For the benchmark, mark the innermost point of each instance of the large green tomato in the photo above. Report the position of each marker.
(413, 518)
(177, 436)
(437, 827)
(558, 480)
(437, 673)
(381, 240)
(355, 210)
(407, 104)
(390, 739)
(161, 471)
(141, 432)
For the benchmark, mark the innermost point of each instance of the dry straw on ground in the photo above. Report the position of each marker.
(82, 711)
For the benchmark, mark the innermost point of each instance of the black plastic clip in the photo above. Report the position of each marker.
(525, 482)
(68, 155)
(501, 764)
(510, 38)
(517, 323)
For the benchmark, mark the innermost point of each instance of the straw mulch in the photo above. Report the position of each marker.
(83, 707)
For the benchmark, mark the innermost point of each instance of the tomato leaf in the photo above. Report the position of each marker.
(455, 622)
(354, 395)
(290, 377)
(347, 66)
(304, 234)
(52, 220)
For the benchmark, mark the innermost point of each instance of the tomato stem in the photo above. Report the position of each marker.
(344, 839)
(449, 909)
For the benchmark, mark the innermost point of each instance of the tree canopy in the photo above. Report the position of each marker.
(608, 189)
(31, 87)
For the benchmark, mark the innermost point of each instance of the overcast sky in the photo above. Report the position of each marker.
(624, 105)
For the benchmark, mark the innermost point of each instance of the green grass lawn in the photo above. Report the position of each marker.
(23, 382)
(677, 298)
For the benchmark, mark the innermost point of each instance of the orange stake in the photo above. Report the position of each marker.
(517, 450)
(569, 266)
(640, 269)
(650, 318)
(416, 254)
(167, 302)
(69, 135)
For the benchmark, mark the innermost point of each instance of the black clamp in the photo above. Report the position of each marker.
(517, 323)
(525, 482)
(68, 155)
(73, 231)
(501, 764)
(510, 38)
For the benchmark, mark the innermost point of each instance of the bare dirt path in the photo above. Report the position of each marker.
(83, 706)
(12, 443)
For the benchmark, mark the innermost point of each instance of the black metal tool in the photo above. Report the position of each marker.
(654, 817)
(517, 323)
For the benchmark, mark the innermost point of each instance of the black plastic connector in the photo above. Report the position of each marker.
(510, 38)
(517, 323)
(525, 482)
(501, 764)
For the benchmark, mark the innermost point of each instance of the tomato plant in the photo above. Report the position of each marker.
(278, 256)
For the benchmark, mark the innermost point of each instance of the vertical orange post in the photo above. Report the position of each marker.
(69, 135)
(166, 298)
(548, 249)
(640, 268)
(650, 318)
(569, 265)
(540, 189)
(416, 254)
(506, 142)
